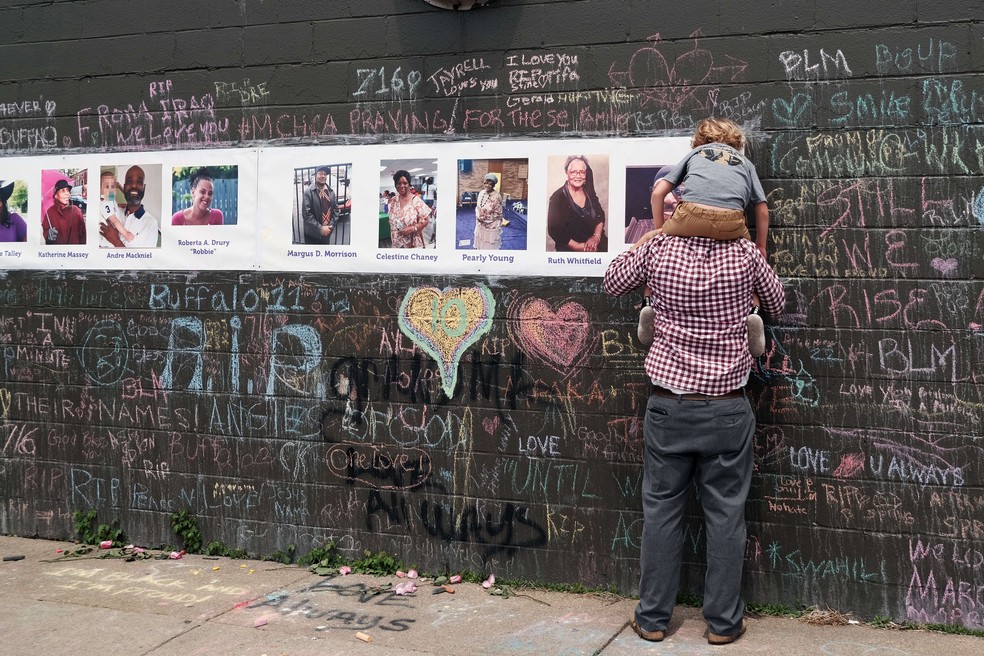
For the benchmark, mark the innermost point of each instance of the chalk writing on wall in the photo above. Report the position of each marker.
(495, 422)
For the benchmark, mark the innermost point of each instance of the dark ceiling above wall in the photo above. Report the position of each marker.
(457, 4)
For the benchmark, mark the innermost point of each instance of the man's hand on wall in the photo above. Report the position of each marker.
(111, 234)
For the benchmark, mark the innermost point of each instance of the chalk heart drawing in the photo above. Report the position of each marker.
(946, 267)
(445, 323)
(555, 337)
(490, 424)
(675, 84)
(791, 113)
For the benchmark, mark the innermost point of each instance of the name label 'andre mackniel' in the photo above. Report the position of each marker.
(129, 255)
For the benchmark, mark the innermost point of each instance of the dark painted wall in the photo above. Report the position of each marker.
(288, 409)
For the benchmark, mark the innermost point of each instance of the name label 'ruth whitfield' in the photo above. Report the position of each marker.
(573, 260)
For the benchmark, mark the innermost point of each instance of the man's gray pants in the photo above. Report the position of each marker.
(709, 442)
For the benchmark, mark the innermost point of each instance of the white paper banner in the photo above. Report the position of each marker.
(338, 209)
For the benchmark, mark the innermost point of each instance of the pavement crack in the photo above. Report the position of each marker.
(610, 640)
(173, 638)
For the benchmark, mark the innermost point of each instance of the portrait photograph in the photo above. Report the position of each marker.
(204, 195)
(639, 183)
(491, 204)
(131, 201)
(408, 203)
(578, 204)
(63, 206)
(13, 209)
(322, 205)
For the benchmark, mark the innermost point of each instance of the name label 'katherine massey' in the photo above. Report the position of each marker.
(76, 254)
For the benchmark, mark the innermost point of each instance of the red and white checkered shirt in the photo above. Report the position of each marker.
(701, 291)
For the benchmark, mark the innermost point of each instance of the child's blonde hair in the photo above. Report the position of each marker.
(718, 130)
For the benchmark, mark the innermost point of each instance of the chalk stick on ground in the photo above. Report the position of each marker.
(9, 558)
(364, 637)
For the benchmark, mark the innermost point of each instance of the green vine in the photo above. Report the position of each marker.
(285, 557)
(377, 564)
(88, 531)
(326, 556)
(326, 560)
(218, 548)
(322, 560)
(185, 527)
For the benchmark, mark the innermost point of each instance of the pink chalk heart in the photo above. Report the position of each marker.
(851, 465)
(555, 337)
(946, 267)
(445, 323)
(677, 84)
(490, 424)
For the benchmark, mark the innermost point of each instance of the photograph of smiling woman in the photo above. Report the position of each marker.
(201, 211)
(575, 213)
(200, 191)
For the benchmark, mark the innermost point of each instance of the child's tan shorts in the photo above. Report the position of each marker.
(690, 220)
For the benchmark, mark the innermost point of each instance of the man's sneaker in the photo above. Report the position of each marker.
(756, 334)
(651, 636)
(646, 326)
(717, 640)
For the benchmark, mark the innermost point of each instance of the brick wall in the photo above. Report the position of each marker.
(291, 409)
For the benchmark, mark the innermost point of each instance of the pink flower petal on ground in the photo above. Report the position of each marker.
(106, 544)
(489, 582)
(344, 570)
(455, 579)
(412, 574)
(405, 588)
(400, 573)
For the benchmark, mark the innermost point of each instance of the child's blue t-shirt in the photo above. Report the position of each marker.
(717, 175)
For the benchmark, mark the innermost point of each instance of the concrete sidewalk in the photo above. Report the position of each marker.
(196, 605)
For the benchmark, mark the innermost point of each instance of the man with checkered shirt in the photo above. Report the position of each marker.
(699, 422)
